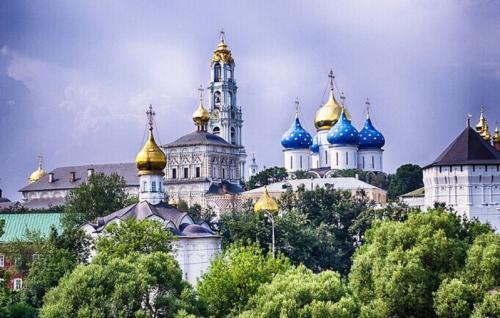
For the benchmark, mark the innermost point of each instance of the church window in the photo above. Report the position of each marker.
(461, 168)
(144, 185)
(233, 135)
(473, 168)
(492, 179)
(440, 169)
(186, 173)
(216, 131)
(230, 73)
(336, 158)
(217, 72)
(480, 179)
(230, 99)
(153, 186)
(174, 173)
(373, 162)
(456, 179)
(291, 162)
(223, 173)
(217, 99)
(347, 158)
(486, 168)
(363, 159)
(300, 162)
(326, 157)
(198, 172)
(445, 180)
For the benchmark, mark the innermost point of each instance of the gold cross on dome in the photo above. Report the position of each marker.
(150, 113)
(332, 78)
(201, 90)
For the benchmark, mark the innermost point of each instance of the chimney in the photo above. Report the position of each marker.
(72, 176)
(90, 172)
(51, 177)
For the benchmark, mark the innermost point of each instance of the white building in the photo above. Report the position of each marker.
(466, 177)
(338, 145)
(196, 244)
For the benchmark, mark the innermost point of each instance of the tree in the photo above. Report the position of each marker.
(469, 293)
(401, 264)
(139, 285)
(408, 177)
(234, 277)
(299, 292)
(132, 236)
(100, 195)
(376, 178)
(267, 176)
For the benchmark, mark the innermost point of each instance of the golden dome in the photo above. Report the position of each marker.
(328, 114)
(266, 203)
(37, 174)
(222, 53)
(151, 159)
(201, 115)
(496, 136)
(482, 127)
(172, 201)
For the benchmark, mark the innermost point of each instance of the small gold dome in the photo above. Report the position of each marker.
(201, 115)
(496, 135)
(151, 159)
(37, 174)
(328, 114)
(222, 53)
(266, 203)
(482, 127)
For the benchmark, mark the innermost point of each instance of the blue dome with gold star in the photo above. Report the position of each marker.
(296, 137)
(343, 132)
(315, 144)
(369, 137)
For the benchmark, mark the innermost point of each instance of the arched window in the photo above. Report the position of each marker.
(230, 73)
(217, 73)
(217, 99)
(230, 99)
(216, 131)
(233, 135)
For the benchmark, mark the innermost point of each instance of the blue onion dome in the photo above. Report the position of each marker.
(369, 137)
(315, 144)
(343, 132)
(296, 137)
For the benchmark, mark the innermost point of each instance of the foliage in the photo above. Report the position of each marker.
(299, 292)
(403, 263)
(267, 176)
(471, 289)
(196, 212)
(408, 177)
(132, 236)
(101, 195)
(235, 276)
(302, 174)
(139, 285)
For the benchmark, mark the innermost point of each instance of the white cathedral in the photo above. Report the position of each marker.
(337, 144)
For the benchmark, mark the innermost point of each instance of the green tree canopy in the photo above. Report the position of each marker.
(234, 277)
(408, 177)
(101, 195)
(299, 292)
(403, 263)
(267, 176)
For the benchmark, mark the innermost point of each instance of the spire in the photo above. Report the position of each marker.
(367, 103)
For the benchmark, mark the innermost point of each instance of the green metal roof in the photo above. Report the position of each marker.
(16, 224)
(420, 192)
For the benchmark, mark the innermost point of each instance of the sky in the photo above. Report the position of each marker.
(76, 76)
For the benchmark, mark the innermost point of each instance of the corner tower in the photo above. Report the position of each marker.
(226, 119)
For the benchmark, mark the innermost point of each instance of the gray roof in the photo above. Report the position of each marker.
(468, 148)
(200, 138)
(62, 176)
(180, 223)
(44, 203)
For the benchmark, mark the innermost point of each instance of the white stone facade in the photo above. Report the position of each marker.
(297, 159)
(471, 190)
(370, 159)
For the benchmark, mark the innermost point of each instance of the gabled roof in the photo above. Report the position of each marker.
(420, 192)
(62, 176)
(16, 224)
(200, 138)
(468, 148)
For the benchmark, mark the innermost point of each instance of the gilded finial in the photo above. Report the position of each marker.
(266, 203)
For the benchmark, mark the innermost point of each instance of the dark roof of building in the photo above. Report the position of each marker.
(224, 187)
(44, 203)
(62, 176)
(17, 224)
(468, 148)
(200, 138)
(4, 199)
(179, 223)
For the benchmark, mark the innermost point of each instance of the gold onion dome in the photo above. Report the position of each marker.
(328, 114)
(496, 135)
(151, 159)
(201, 115)
(222, 53)
(266, 203)
(482, 127)
(38, 173)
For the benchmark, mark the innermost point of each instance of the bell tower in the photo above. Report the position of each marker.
(225, 115)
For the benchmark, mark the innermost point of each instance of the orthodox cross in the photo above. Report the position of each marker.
(332, 78)
(150, 113)
(367, 103)
(297, 106)
(469, 116)
(40, 161)
(201, 90)
(342, 98)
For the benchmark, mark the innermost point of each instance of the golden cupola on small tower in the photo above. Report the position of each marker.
(482, 127)
(38, 173)
(328, 114)
(222, 53)
(151, 159)
(201, 115)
